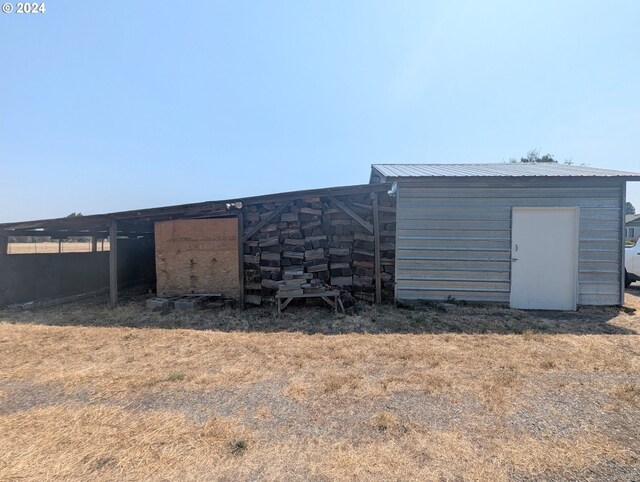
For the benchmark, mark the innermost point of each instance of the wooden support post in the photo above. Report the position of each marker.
(376, 241)
(94, 243)
(59, 245)
(623, 218)
(113, 264)
(4, 245)
(241, 258)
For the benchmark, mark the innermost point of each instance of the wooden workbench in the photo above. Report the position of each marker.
(330, 297)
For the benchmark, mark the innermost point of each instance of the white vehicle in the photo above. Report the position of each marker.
(632, 263)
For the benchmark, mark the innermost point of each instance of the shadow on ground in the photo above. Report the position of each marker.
(425, 319)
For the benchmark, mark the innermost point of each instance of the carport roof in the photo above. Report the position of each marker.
(140, 221)
(519, 169)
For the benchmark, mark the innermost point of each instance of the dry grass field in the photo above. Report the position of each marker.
(436, 393)
(52, 247)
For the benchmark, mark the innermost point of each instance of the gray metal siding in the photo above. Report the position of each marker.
(455, 239)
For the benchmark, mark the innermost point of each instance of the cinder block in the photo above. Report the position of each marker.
(158, 304)
(187, 305)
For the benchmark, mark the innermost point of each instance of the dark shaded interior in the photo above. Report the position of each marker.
(30, 277)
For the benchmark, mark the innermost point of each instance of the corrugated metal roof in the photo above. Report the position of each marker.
(545, 169)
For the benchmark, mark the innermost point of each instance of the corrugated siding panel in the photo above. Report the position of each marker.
(456, 241)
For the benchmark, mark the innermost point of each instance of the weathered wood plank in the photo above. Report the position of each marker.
(269, 284)
(269, 256)
(272, 241)
(251, 258)
(293, 254)
(364, 237)
(317, 268)
(340, 265)
(313, 254)
(314, 212)
(294, 242)
(342, 280)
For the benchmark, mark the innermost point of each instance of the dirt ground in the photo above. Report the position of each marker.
(440, 392)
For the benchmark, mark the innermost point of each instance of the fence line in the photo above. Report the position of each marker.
(51, 247)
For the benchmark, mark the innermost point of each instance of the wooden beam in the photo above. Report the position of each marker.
(387, 209)
(382, 209)
(376, 241)
(66, 234)
(623, 217)
(241, 258)
(113, 264)
(263, 223)
(346, 209)
(4, 245)
(94, 244)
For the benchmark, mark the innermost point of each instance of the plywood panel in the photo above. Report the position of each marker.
(197, 256)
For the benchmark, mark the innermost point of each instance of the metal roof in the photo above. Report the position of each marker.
(518, 169)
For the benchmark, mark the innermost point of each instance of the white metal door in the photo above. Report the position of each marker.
(544, 258)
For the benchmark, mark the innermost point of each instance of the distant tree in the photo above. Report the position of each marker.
(629, 208)
(78, 239)
(533, 155)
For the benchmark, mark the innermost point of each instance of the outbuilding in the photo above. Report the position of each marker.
(251, 249)
(533, 235)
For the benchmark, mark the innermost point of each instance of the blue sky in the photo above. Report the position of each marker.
(112, 105)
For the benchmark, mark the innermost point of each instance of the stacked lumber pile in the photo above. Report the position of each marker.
(309, 242)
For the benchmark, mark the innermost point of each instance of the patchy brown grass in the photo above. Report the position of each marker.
(97, 402)
(628, 392)
(74, 441)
